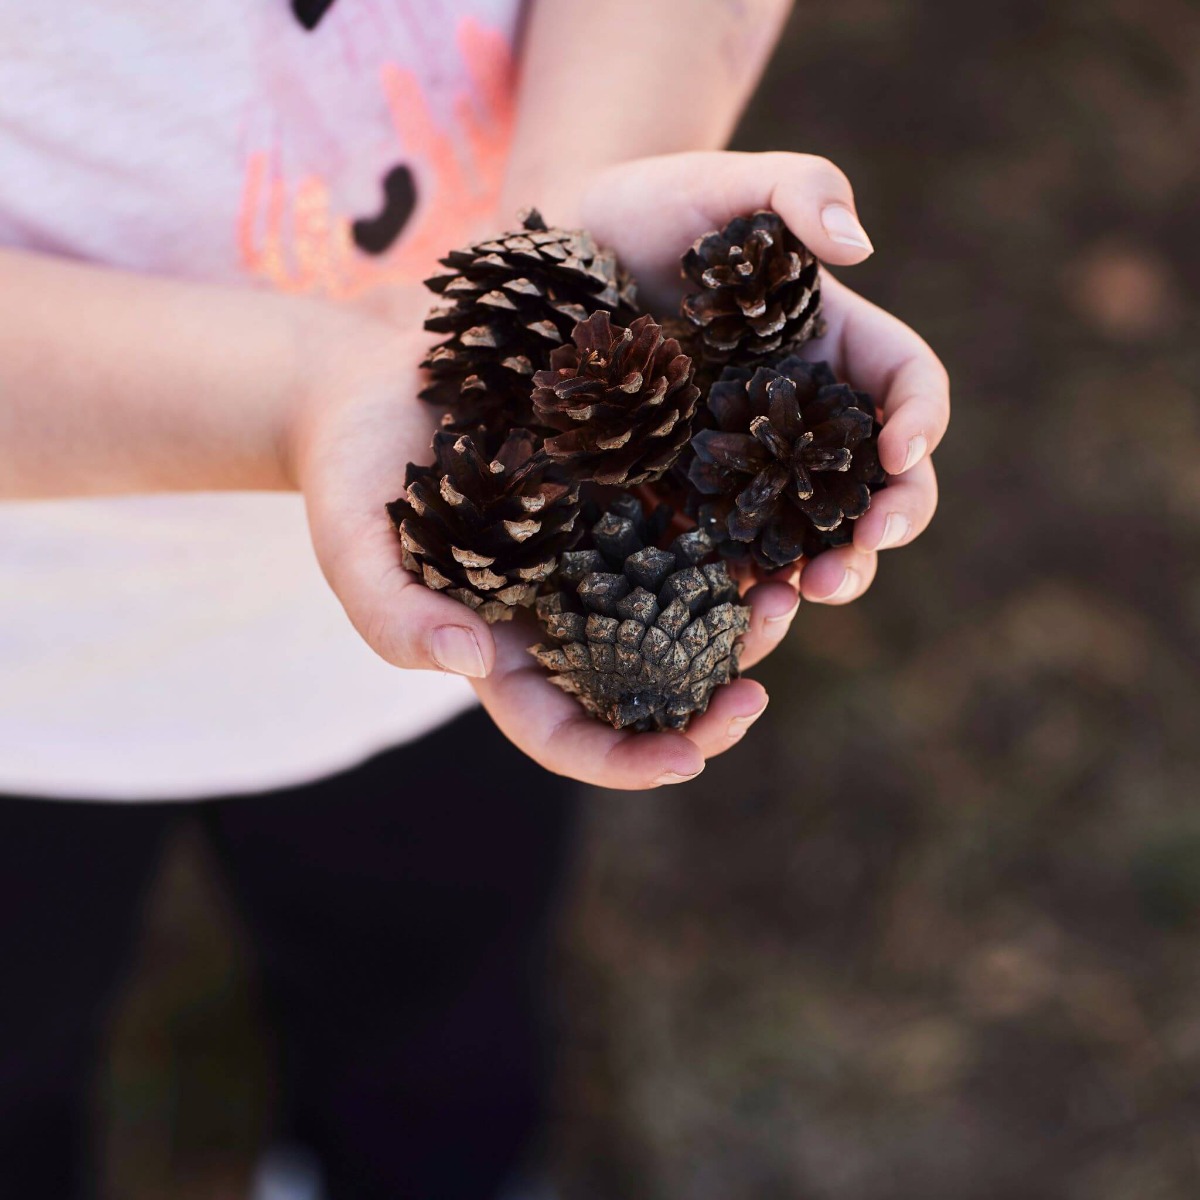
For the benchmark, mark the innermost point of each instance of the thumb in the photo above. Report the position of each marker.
(810, 193)
(704, 190)
(404, 622)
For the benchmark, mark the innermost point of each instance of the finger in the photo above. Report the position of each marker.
(734, 707)
(810, 193)
(555, 730)
(789, 575)
(404, 622)
(773, 606)
(883, 356)
(899, 513)
(703, 190)
(916, 411)
(838, 576)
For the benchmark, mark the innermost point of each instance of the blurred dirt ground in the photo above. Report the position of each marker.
(932, 932)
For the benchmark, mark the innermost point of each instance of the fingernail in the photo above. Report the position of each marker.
(738, 725)
(455, 648)
(916, 451)
(895, 529)
(845, 589)
(843, 227)
(669, 777)
(779, 624)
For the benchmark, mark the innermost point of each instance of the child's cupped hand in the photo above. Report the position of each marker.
(362, 423)
(650, 210)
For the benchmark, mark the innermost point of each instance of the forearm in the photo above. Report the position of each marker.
(112, 382)
(604, 81)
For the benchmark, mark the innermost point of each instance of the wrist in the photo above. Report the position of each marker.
(557, 196)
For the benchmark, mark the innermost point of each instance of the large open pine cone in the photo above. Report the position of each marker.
(641, 636)
(759, 289)
(623, 398)
(506, 303)
(792, 463)
(485, 532)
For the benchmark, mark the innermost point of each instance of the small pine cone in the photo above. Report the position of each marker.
(506, 303)
(641, 636)
(792, 463)
(759, 290)
(623, 398)
(486, 533)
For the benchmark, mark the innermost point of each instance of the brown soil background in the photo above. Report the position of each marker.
(932, 931)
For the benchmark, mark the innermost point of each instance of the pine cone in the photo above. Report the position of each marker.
(487, 533)
(792, 463)
(506, 303)
(641, 636)
(759, 290)
(624, 399)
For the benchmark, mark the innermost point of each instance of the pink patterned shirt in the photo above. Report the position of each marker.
(182, 646)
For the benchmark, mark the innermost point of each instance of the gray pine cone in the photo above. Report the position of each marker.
(642, 637)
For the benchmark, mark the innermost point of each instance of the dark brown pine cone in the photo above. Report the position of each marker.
(791, 465)
(623, 398)
(759, 290)
(485, 532)
(641, 636)
(506, 303)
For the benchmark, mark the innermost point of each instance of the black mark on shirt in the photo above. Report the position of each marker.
(376, 234)
(310, 12)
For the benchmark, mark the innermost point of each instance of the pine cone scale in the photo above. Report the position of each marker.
(730, 451)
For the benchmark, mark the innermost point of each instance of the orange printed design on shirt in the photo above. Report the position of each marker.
(290, 237)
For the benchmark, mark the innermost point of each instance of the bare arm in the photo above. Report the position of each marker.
(605, 81)
(113, 382)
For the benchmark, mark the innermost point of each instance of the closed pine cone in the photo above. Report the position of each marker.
(758, 290)
(641, 636)
(506, 303)
(791, 465)
(485, 532)
(623, 400)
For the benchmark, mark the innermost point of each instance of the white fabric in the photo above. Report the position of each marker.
(185, 646)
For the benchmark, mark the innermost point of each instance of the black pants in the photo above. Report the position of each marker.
(399, 913)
